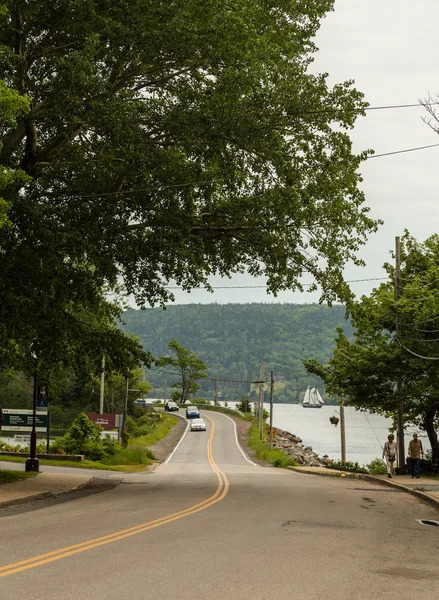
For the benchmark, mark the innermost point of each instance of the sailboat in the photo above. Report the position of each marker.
(312, 399)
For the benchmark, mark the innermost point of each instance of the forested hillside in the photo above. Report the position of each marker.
(235, 339)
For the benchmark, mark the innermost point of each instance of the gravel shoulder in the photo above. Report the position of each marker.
(163, 448)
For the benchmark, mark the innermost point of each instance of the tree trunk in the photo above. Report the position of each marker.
(431, 432)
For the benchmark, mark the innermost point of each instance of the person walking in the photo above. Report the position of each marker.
(416, 452)
(389, 454)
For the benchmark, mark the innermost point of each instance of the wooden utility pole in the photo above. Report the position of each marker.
(216, 392)
(101, 398)
(342, 429)
(261, 402)
(164, 401)
(125, 410)
(399, 389)
(271, 408)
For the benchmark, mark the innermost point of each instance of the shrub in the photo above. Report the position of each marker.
(377, 467)
(244, 405)
(354, 467)
(83, 437)
(135, 454)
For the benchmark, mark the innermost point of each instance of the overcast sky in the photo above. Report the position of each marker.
(390, 49)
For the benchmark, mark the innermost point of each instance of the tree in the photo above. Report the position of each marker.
(167, 144)
(12, 105)
(366, 368)
(244, 405)
(190, 368)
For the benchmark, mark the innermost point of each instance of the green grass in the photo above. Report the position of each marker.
(276, 457)
(13, 476)
(227, 411)
(83, 464)
(159, 433)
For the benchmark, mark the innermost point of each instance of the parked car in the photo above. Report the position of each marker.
(192, 412)
(171, 406)
(198, 425)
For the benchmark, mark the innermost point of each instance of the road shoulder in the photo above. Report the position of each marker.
(44, 485)
(425, 490)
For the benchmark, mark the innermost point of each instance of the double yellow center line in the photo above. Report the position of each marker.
(43, 559)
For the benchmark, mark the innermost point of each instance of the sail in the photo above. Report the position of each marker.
(319, 399)
(314, 397)
(306, 397)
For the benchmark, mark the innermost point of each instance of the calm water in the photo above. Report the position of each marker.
(364, 431)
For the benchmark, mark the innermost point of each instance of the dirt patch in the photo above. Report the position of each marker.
(163, 448)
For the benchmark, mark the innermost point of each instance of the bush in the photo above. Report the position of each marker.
(353, 467)
(135, 454)
(146, 423)
(83, 437)
(244, 405)
(377, 467)
(198, 401)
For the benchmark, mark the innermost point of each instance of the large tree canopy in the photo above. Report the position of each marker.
(169, 141)
(367, 368)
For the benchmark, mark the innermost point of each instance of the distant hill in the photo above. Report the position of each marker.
(234, 339)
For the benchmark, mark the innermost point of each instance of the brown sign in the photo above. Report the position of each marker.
(106, 420)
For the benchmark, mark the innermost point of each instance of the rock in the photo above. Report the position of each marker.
(292, 445)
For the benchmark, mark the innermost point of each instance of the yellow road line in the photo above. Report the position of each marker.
(42, 559)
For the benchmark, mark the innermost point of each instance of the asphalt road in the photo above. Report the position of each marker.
(210, 524)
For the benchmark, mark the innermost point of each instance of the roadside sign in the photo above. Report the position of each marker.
(15, 419)
(42, 399)
(106, 420)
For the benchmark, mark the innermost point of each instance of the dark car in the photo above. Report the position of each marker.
(171, 406)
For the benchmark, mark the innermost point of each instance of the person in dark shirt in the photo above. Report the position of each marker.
(416, 452)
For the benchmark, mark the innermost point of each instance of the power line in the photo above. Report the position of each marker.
(415, 354)
(401, 151)
(292, 377)
(424, 341)
(243, 287)
(420, 322)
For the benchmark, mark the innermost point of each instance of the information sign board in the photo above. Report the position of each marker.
(15, 419)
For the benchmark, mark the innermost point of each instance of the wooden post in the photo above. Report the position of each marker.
(124, 417)
(271, 408)
(400, 470)
(261, 402)
(342, 430)
(101, 397)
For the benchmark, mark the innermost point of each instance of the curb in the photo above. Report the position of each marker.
(41, 495)
(386, 482)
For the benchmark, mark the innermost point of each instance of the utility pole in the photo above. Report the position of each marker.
(271, 408)
(399, 390)
(342, 429)
(125, 410)
(164, 400)
(101, 399)
(261, 402)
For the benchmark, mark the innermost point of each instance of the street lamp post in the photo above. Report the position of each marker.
(32, 463)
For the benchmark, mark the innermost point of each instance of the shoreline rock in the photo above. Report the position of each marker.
(293, 446)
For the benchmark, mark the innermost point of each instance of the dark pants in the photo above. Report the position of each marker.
(415, 467)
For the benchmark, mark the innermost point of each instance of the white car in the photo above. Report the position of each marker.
(198, 425)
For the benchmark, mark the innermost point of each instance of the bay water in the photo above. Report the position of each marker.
(365, 432)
